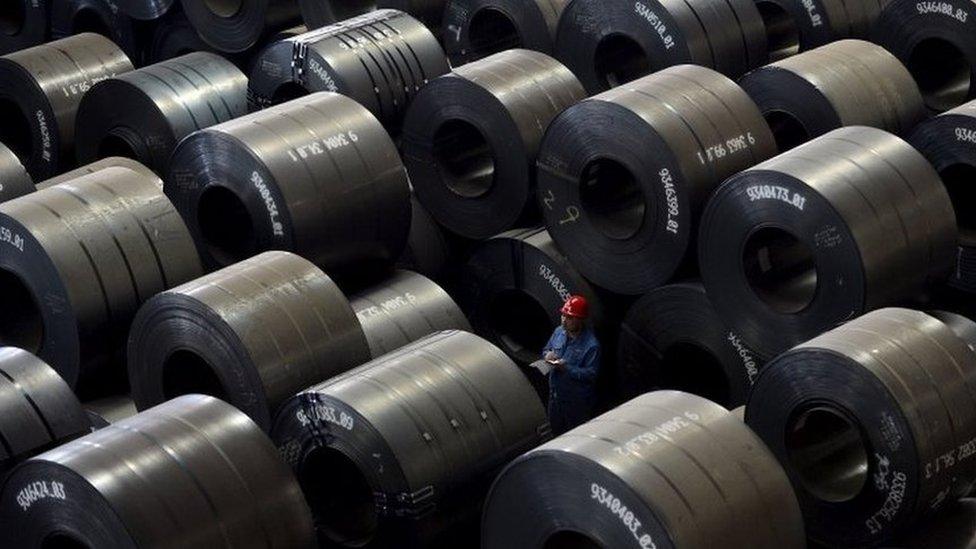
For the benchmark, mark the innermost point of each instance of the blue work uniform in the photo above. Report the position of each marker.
(572, 388)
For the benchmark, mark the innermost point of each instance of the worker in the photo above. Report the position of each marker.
(574, 354)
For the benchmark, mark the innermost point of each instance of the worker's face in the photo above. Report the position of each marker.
(572, 325)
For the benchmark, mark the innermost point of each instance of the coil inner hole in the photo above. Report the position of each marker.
(465, 159)
(340, 497)
(787, 129)
(226, 225)
(780, 269)
(89, 20)
(287, 92)
(691, 368)
(63, 540)
(492, 31)
(21, 323)
(620, 59)
(224, 8)
(828, 453)
(612, 198)
(568, 539)
(520, 323)
(187, 373)
(942, 72)
(12, 17)
(15, 130)
(782, 34)
(346, 9)
(125, 142)
(960, 181)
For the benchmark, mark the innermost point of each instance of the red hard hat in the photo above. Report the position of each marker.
(576, 307)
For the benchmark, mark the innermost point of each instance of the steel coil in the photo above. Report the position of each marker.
(14, 179)
(76, 261)
(936, 43)
(102, 17)
(381, 59)
(400, 452)
(23, 24)
(38, 411)
(403, 309)
(252, 334)
(948, 141)
(106, 411)
(794, 26)
(874, 422)
(193, 473)
(471, 140)
(624, 175)
(145, 10)
(40, 89)
(234, 26)
(664, 470)
(512, 288)
(607, 44)
(321, 13)
(143, 114)
(845, 83)
(429, 12)
(173, 36)
(672, 338)
(427, 251)
(110, 162)
(954, 528)
(474, 29)
(960, 325)
(852, 221)
(318, 176)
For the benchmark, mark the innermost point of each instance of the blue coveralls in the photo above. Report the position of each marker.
(572, 388)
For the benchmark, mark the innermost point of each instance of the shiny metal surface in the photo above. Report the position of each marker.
(234, 26)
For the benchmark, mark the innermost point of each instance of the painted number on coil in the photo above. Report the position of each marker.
(38, 490)
(269, 203)
(775, 192)
(318, 70)
(615, 506)
(656, 23)
(549, 276)
(815, 19)
(78, 88)
(942, 8)
(671, 196)
(733, 145)
(892, 481)
(12, 238)
(966, 135)
(657, 433)
(748, 362)
(324, 412)
(387, 306)
(323, 146)
(45, 135)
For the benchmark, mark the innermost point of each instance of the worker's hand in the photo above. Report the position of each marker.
(551, 356)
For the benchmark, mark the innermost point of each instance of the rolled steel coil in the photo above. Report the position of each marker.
(852, 221)
(102, 17)
(14, 179)
(145, 10)
(318, 176)
(624, 175)
(665, 470)
(474, 29)
(845, 83)
(40, 89)
(961, 325)
(174, 36)
(607, 44)
(672, 338)
(948, 142)
(23, 24)
(427, 251)
(78, 259)
(381, 59)
(193, 473)
(429, 12)
(512, 288)
(403, 309)
(110, 162)
(471, 140)
(106, 411)
(145, 113)
(794, 26)
(936, 42)
(252, 334)
(400, 452)
(38, 411)
(234, 26)
(954, 528)
(874, 422)
(321, 13)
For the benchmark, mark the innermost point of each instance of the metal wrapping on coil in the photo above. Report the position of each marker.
(193, 473)
(318, 176)
(874, 422)
(794, 26)
(143, 114)
(252, 334)
(145, 10)
(936, 42)
(512, 288)
(403, 309)
(665, 470)
(607, 44)
(672, 338)
(948, 141)
(25, 24)
(237, 26)
(40, 89)
(474, 29)
(852, 221)
(320, 13)
(400, 452)
(381, 59)
(14, 179)
(110, 162)
(38, 411)
(623, 176)
(78, 259)
(845, 83)
(103, 17)
(427, 251)
(471, 140)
